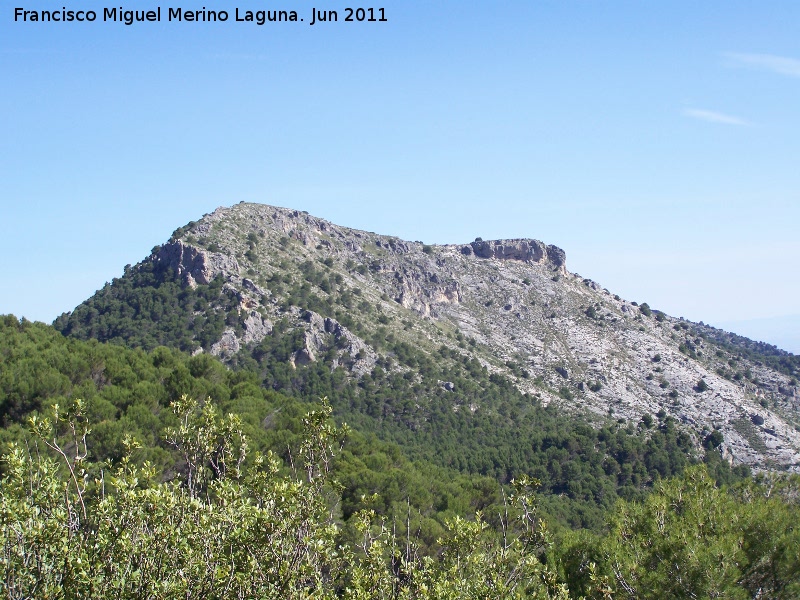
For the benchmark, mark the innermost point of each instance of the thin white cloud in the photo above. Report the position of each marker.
(768, 62)
(713, 116)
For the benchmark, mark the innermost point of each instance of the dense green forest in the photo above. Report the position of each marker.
(395, 449)
(137, 490)
(148, 307)
(128, 393)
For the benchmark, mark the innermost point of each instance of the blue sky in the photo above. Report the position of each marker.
(657, 143)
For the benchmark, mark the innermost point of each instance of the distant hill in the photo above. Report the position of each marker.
(783, 332)
(451, 351)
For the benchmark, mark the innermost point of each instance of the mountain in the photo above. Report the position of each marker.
(783, 332)
(407, 337)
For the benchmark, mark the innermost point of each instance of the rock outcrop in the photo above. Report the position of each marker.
(195, 265)
(532, 251)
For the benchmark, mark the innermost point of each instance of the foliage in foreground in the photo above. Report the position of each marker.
(692, 539)
(128, 392)
(74, 529)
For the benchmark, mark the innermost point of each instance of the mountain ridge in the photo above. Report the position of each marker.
(511, 305)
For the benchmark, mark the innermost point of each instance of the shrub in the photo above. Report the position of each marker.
(713, 439)
(72, 530)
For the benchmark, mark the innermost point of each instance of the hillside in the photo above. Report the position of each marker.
(469, 341)
(168, 489)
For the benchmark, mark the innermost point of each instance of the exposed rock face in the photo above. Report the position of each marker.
(256, 328)
(194, 264)
(363, 355)
(228, 344)
(511, 304)
(532, 251)
(557, 256)
(413, 292)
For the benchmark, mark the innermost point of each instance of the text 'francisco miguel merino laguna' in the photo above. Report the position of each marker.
(258, 17)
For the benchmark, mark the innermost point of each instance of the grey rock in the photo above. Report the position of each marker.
(194, 264)
(256, 328)
(302, 357)
(228, 344)
(252, 287)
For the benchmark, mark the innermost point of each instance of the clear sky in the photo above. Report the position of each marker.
(658, 143)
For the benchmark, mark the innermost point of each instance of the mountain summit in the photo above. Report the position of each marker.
(253, 280)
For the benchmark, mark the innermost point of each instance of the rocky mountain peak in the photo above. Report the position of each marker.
(509, 305)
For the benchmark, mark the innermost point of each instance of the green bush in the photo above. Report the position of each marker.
(713, 439)
(565, 393)
(72, 529)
